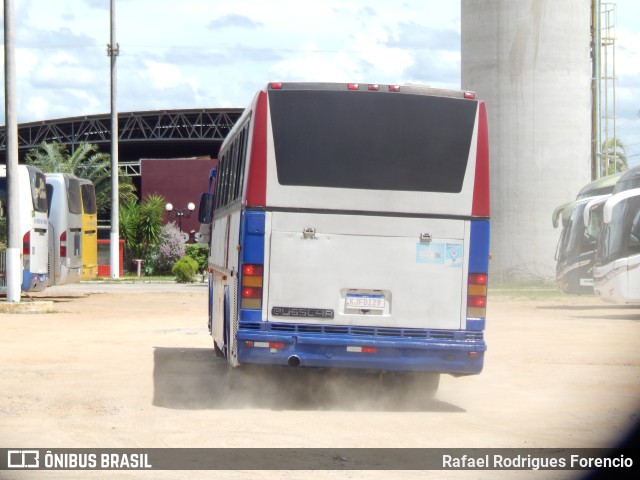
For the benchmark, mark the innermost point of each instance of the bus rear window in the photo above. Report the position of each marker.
(73, 195)
(88, 198)
(38, 190)
(371, 140)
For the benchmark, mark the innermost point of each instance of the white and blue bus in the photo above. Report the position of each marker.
(32, 220)
(350, 229)
(65, 228)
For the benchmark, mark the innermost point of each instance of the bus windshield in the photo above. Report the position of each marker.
(574, 238)
(620, 237)
(342, 140)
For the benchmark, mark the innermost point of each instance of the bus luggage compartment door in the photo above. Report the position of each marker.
(351, 268)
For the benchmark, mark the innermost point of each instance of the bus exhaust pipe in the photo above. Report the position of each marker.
(293, 361)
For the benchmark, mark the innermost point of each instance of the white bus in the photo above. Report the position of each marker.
(65, 228)
(616, 274)
(351, 230)
(32, 220)
(577, 244)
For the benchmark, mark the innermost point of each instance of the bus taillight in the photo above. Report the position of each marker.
(63, 244)
(26, 245)
(477, 295)
(251, 292)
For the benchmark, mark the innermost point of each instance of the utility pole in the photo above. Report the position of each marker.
(14, 267)
(113, 50)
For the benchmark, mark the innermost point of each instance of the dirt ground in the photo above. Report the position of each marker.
(131, 366)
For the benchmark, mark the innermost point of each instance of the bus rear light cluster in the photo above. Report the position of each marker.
(251, 293)
(477, 295)
(63, 244)
(26, 245)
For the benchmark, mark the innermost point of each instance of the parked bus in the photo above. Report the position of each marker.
(89, 230)
(577, 244)
(65, 228)
(628, 180)
(32, 220)
(351, 230)
(617, 264)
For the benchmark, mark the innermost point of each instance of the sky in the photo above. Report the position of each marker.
(210, 53)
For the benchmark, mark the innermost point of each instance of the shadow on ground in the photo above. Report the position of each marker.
(194, 378)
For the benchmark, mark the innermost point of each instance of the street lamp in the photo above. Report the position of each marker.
(179, 213)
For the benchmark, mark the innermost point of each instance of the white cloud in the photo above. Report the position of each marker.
(165, 76)
(627, 53)
(371, 47)
(318, 67)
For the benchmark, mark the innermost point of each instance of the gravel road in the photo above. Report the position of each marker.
(131, 366)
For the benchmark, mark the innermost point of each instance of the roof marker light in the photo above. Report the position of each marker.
(471, 95)
(373, 87)
(394, 88)
(276, 85)
(353, 86)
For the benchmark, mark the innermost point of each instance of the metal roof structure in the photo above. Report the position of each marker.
(150, 134)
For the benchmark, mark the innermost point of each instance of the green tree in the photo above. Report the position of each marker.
(85, 162)
(613, 157)
(141, 226)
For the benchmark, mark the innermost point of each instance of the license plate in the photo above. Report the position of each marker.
(365, 302)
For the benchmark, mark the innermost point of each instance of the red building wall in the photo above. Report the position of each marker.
(180, 181)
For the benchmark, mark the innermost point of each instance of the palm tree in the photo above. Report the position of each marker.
(141, 226)
(85, 162)
(613, 157)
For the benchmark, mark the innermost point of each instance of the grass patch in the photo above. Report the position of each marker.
(533, 290)
(133, 278)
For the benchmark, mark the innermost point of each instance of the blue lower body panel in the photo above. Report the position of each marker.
(457, 352)
(33, 282)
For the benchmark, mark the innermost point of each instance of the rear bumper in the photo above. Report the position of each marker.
(33, 282)
(456, 352)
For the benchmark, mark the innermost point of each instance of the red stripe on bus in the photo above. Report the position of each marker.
(257, 181)
(481, 190)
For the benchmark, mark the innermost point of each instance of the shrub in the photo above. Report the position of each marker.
(199, 253)
(184, 269)
(170, 249)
